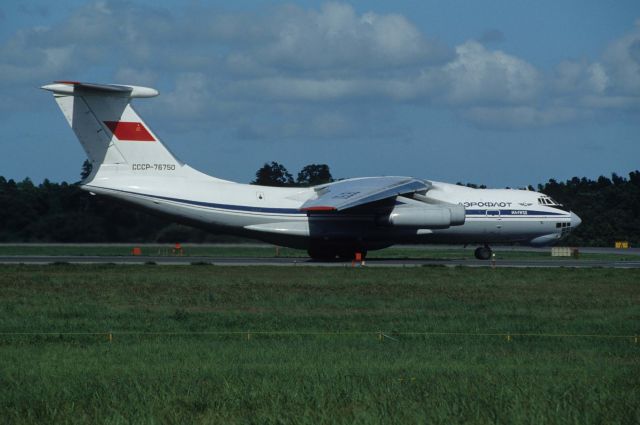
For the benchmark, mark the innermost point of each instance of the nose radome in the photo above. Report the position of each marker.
(575, 220)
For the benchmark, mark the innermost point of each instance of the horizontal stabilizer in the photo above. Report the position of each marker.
(73, 88)
(354, 192)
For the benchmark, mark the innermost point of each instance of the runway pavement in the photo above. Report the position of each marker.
(273, 261)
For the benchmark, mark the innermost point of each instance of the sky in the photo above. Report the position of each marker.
(502, 93)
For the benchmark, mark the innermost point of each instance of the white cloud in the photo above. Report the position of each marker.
(56, 58)
(480, 75)
(622, 59)
(612, 83)
(190, 98)
(598, 78)
(336, 38)
(212, 64)
(569, 76)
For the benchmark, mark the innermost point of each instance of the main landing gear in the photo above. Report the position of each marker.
(483, 252)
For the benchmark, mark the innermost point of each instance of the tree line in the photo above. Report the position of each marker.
(609, 208)
(62, 212)
(276, 174)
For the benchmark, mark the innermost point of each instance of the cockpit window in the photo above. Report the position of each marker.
(546, 200)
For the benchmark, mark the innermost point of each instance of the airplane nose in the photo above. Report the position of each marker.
(575, 220)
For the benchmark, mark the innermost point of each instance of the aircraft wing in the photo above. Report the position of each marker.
(351, 193)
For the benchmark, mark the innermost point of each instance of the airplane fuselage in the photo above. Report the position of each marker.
(273, 214)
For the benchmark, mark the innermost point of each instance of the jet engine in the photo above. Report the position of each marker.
(426, 217)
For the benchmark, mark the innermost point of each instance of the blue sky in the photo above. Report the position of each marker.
(505, 93)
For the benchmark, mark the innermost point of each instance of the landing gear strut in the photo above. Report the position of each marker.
(483, 252)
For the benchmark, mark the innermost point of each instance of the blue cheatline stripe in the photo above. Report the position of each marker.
(513, 213)
(214, 205)
(471, 213)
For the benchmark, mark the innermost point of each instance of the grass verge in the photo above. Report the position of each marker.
(162, 366)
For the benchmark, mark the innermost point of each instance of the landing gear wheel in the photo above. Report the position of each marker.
(483, 253)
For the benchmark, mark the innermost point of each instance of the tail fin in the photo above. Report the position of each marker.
(111, 132)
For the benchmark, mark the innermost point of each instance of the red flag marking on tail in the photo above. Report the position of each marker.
(130, 131)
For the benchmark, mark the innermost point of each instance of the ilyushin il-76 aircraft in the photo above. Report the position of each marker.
(333, 220)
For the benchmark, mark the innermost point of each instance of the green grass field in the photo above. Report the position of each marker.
(187, 345)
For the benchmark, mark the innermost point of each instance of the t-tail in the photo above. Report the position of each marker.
(117, 141)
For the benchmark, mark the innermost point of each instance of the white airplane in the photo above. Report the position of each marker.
(334, 220)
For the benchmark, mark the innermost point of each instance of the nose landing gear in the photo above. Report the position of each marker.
(483, 252)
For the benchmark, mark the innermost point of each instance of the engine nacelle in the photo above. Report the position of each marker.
(427, 217)
(458, 214)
